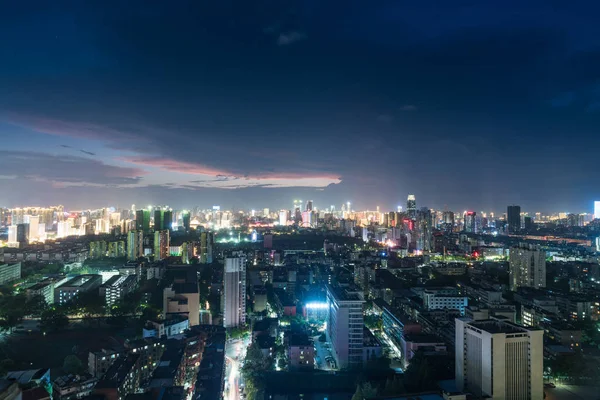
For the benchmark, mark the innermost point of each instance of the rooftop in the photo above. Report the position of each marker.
(495, 326)
(344, 294)
(81, 281)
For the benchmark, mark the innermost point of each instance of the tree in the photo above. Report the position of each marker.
(72, 365)
(12, 311)
(54, 318)
(36, 305)
(364, 391)
(6, 365)
(393, 386)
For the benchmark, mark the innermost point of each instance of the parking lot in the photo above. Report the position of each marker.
(322, 353)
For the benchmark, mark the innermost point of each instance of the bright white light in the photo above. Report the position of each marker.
(316, 306)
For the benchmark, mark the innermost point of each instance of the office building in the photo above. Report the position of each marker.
(513, 217)
(283, 217)
(234, 292)
(424, 226)
(117, 287)
(345, 326)
(71, 288)
(23, 234)
(527, 267)
(34, 227)
(142, 220)
(444, 298)
(9, 272)
(161, 244)
(448, 221)
(499, 360)
(135, 245)
(411, 206)
(309, 205)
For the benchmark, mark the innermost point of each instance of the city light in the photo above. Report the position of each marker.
(317, 305)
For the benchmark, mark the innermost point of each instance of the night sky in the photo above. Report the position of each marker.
(248, 104)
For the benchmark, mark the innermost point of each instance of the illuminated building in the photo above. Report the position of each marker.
(597, 210)
(499, 360)
(161, 244)
(116, 249)
(98, 249)
(470, 222)
(117, 287)
(411, 206)
(81, 283)
(142, 220)
(283, 217)
(12, 236)
(182, 299)
(307, 219)
(513, 217)
(33, 221)
(527, 267)
(345, 326)
(9, 272)
(448, 221)
(424, 230)
(135, 245)
(309, 205)
(206, 247)
(234, 292)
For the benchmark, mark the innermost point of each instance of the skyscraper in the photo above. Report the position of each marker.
(159, 216)
(23, 234)
(448, 221)
(345, 326)
(470, 222)
(185, 219)
(309, 205)
(234, 292)
(424, 228)
(135, 245)
(167, 219)
(161, 244)
(142, 220)
(597, 210)
(499, 360)
(513, 218)
(411, 206)
(527, 267)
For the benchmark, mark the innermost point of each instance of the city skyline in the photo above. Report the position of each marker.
(265, 103)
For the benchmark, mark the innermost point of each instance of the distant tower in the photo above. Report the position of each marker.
(309, 205)
(527, 267)
(411, 206)
(513, 216)
(470, 224)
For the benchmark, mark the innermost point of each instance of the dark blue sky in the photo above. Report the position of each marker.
(467, 104)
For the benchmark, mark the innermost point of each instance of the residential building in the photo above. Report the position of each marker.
(234, 292)
(71, 387)
(444, 298)
(9, 272)
(117, 287)
(527, 267)
(300, 352)
(122, 378)
(499, 360)
(135, 245)
(71, 288)
(100, 361)
(161, 244)
(513, 217)
(345, 326)
(168, 328)
(182, 298)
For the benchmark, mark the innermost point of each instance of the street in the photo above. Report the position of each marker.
(572, 392)
(235, 351)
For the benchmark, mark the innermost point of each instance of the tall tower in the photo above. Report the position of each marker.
(142, 220)
(470, 222)
(411, 206)
(234, 292)
(345, 326)
(161, 244)
(135, 245)
(513, 216)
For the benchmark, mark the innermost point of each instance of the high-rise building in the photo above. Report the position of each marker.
(23, 234)
(513, 218)
(345, 326)
(597, 210)
(34, 227)
(470, 219)
(499, 360)
(12, 236)
(159, 216)
(142, 220)
(135, 245)
(448, 221)
(167, 219)
(206, 247)
(527, 267)
(234, 292)
(161, 244)
(309, 205)
(283, 217)
(411, 206)
(424, 230)
(185, 220)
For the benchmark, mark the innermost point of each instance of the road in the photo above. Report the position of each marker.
(320, 355)
(235, 351)
(572, 392)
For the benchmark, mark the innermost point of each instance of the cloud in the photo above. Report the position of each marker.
(89, 153)
(408, 108)
(64, 170)
(285, 39)
(385, 118)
